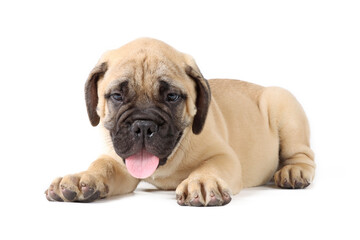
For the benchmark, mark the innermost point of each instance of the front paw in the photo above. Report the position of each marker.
(82, 187)
(203, 191)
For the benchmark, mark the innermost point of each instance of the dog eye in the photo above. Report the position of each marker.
(172, 97)
(117, 97)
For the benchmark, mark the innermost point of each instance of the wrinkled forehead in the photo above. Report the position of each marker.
(145, 70)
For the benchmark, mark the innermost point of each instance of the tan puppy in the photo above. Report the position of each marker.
(165, 124)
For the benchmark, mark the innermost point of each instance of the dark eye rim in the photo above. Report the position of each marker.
(116, 97)
(173, 97)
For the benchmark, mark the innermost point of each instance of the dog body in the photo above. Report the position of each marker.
(165, 124)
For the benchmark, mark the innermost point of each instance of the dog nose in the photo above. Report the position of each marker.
(144, 128)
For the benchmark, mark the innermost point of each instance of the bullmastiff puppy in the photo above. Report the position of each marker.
(165, 124)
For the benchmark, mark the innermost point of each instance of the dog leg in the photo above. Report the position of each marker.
(297, 167)
(104, 178)
(212, 183)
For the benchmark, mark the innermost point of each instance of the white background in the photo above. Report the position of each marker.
(311, 48)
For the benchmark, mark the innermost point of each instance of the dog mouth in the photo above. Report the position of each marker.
(142, 164)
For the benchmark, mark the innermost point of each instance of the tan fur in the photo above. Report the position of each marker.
(249, 134)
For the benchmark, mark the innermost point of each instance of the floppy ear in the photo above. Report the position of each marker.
(203, 97)
(91, 96)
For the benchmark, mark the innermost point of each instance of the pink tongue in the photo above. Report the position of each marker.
(142, 164)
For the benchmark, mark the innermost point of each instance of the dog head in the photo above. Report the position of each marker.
(146, 94)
